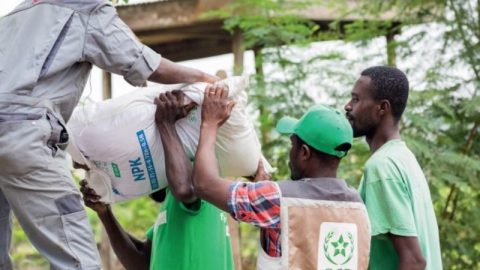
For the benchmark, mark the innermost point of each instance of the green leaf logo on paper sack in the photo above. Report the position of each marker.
(337, 246)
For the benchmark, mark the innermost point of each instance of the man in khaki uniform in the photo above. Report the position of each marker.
(47, 49)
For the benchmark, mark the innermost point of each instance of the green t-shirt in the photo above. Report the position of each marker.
(186, 239)
(398, 201)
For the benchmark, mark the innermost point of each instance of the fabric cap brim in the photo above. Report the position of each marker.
(286, 125)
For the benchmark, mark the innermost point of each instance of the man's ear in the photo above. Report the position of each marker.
(384, 107)
(305, 152)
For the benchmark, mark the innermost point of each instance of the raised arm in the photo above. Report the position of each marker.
(208, 184)
(111, 45)
(170, 72)
(170, 108)
(254, 203)
(132, 253)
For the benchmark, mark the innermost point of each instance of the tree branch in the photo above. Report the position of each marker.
(468, 146)
(466, 43)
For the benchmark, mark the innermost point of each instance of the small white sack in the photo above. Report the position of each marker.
(118, 139)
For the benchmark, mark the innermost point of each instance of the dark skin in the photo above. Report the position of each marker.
(261, 173)
(169, 72)
(209, 185)
(306, 163)
(133, 253)
(170, 108)
(374, 119)
(369, 117)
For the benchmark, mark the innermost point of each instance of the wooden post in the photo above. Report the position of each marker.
(234, 231)
(105, 251)
(264, 128)
(257, 51)
(391, 46)
(107, 85)
(238, 50)
(105, 248)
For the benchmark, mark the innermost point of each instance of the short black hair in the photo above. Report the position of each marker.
(391, 84)
(322, 155)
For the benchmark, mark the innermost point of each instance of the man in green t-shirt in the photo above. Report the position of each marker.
(189, 233)
(393, 187)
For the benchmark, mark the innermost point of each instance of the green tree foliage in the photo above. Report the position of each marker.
(452, 102)
(442, 121)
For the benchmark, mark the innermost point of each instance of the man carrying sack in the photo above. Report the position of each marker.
(47, 49)
(314, 221)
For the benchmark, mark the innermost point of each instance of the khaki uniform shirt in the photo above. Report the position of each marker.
(47, 49)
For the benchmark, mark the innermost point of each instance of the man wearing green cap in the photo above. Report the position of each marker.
(316, 219)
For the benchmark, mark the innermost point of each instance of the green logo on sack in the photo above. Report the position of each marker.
(339, 247)
(116, 171)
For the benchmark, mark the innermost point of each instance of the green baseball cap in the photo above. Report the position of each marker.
(321, 127)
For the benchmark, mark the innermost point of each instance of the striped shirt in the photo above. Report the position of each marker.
(258, 204)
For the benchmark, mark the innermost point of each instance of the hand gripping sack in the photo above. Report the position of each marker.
(119, 141)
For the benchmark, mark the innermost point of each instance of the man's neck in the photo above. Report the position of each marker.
(323, 173)
(382, 135)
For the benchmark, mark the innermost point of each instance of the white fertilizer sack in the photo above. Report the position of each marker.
(118, 139)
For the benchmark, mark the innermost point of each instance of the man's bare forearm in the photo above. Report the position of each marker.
(178, 167)
(409, 252)
(170, 72)
(132, 253)
(206, 179)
